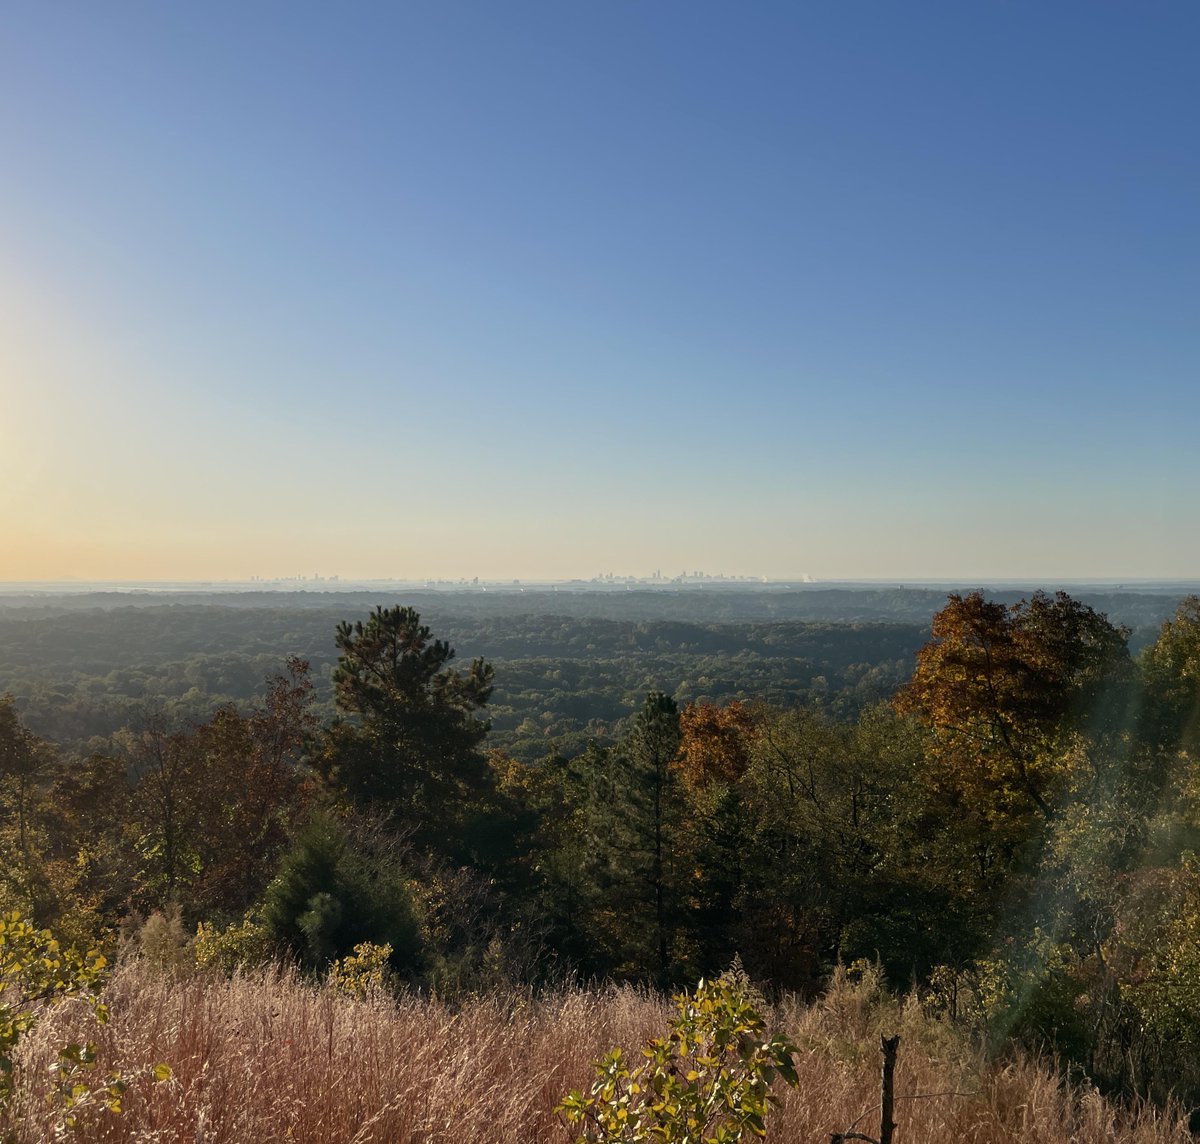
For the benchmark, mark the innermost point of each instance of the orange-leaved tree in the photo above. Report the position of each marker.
(1000, 686)
(714, 742)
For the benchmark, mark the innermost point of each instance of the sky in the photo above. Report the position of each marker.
(853, 290)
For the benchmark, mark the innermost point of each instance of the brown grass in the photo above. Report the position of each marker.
(265, 1057)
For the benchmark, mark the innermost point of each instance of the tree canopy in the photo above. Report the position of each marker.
(411, 741)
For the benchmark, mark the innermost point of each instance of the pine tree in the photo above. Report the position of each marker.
(410, 744)
(632, 816)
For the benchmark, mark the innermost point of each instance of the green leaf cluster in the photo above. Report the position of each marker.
(37, 971)
(707, 1082)
(245, 943)
(362, 973)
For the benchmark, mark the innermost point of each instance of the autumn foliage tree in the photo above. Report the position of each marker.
(1026, 711)
(253, 791)
(213, 805)
(25, 762)
(716, 747)
(998, 685)
(44, 857)
(1171, 669)
(714, 742)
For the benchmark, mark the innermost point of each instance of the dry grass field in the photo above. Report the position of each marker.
(265, 1057)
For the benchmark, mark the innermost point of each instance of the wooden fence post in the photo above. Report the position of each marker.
(887, 1046)
(887, 1074)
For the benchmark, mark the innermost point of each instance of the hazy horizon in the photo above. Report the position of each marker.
(334, 584)
(867, 292)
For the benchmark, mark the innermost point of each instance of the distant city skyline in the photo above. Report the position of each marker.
(337, 585)
(859, 292)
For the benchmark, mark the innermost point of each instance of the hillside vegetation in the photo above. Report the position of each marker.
(1012, 832)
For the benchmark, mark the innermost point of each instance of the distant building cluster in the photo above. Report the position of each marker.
(315, 578)
(601, 580)
(656, 577)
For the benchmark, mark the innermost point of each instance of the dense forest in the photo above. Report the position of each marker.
(574, 665)
(81, 674)
(997, 805)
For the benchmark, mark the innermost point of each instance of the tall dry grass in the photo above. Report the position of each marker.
(266, 1057)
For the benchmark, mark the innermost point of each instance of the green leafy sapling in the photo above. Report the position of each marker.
(363, 973)
(707, 1082)
(37, 972)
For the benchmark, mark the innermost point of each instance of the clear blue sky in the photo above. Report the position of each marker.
(542, 289)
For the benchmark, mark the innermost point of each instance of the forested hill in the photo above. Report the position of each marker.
(572, 665)
(124, 637)
(78, 672)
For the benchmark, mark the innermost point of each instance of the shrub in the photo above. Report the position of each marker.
(332, 892)
(163, 939)
(37, 972)
(239, 946)
(708, 1081)
(361, 973)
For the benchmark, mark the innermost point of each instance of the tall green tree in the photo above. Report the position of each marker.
(826, 874)
(409, 741)
(630, 803)
(651, 750)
